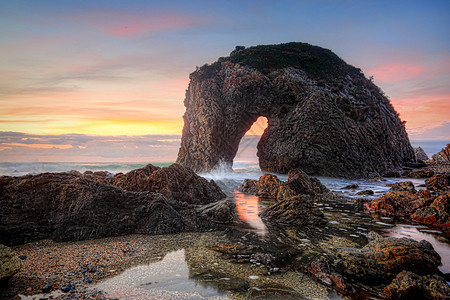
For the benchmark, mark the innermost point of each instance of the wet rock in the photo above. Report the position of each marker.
(323, 122)
(68, 207)
(297, 211)
(431, 216)
(322, 271)
(420, 154)
(383, 258)
(269, 186)
(175, 182)
(365, 192)
(9, 263)
(398, 203)
(408, 285)
(439, 183)
(47, 288)
(221, 212)
(406, 186)
(273, 291)
(66, 288)
(351, 186)
(442, 156)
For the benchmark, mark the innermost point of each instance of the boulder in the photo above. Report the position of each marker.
(419, 173)
(383, 258)
(269, 186)
(324, 116)
(174, 182)
(442, 156)
(420, 154)
(9, 263)
(296, 211)
(408, 285)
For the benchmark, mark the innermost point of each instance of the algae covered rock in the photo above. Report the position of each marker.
(9, 263)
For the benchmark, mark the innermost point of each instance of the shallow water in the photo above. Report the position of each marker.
(199, 272)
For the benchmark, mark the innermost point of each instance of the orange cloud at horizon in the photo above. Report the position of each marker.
(422, 111)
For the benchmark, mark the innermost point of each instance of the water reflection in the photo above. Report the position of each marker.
(166, 279)
(247, 207)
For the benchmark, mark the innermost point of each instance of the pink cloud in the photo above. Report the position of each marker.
(122, 24)
(395, 72)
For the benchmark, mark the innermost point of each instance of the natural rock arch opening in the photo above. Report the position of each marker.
(324, 116)
(247, 150)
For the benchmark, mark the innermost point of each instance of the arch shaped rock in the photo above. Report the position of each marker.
(324, 116)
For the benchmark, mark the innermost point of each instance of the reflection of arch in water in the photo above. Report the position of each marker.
(247, 208)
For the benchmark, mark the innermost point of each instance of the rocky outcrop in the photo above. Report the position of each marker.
(383, 258)
(174, 182)
(296, 211)
(9, 263)
(422, 206)
(443, 156)
(269, 186)
(407, 285)
(420, 154)
(324, 116)
(73, 206)
(321, 270)
(439, 183)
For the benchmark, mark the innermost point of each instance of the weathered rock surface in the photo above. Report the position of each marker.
(9, 263)
(406, 186)
(174, 182)
(296, 211)
(73, 206)
(419, 173)
(324, 116)
(269, 186)
(443, 156)
(399, 203)
(439, 183)
(408, 285)
(383, 258)
(420, 154)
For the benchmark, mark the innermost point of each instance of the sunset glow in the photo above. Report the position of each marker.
(120, 68)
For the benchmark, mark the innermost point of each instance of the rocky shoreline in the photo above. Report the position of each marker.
(353, 265)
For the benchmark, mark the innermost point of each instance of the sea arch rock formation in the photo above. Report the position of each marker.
(324, 116)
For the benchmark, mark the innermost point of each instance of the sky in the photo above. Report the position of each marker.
(105, 80)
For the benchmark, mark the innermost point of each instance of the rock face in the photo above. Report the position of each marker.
(443, 155)
(420, 154)
(9, 263)
(324, 116)
(73, 206)
(174, 182)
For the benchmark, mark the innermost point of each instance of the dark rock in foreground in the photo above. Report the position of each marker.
(383, 258)
(324, 116)
(408, 285)
(9, 263)
(72, 206)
